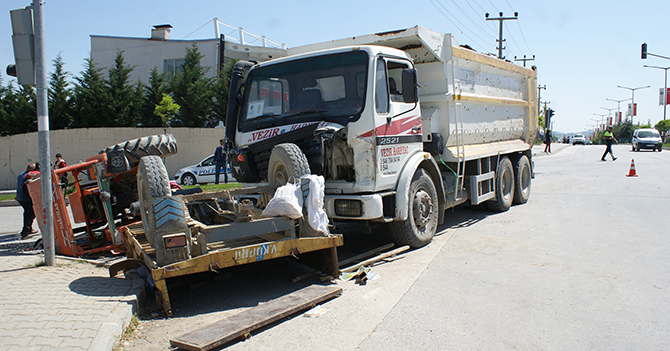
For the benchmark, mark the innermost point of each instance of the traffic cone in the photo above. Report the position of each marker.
(632, 173)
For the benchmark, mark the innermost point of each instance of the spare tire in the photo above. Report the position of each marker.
(153, 145)
(286, 161)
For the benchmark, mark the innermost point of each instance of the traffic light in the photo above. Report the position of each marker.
(23, 40)
(644, 51)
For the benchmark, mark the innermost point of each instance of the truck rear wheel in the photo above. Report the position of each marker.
(421, 223)
(522, 180)
(152, 145)
(286, 161)
(152, 182)
(504, 186)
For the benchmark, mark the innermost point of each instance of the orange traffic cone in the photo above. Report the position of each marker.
(632, 173)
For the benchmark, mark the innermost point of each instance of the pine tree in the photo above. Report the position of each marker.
(192, 91)
(221, 91)
(123, 102)
(90, 97)
(20, 110)
(153, 95)
(60, 97)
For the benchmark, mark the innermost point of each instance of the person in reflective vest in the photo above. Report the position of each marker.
(609, 137)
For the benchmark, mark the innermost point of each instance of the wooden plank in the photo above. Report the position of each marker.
(228, 329)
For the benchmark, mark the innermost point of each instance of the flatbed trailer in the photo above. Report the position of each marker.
(227, 231)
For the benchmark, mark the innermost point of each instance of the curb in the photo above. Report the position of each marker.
(8, 203)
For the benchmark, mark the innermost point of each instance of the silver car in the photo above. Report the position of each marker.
(647, 138)
(578, 139)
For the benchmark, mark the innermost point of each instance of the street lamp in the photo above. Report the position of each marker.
(632, 102)
(618, 105)
(665, 91)
(601, 118)
(609, 110)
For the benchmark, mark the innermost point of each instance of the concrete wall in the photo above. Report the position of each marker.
(16, 151)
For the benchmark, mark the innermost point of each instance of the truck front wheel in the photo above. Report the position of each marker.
(286, 161)
(421, 223)
(504, 186)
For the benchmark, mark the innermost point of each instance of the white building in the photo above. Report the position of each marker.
(168, 54)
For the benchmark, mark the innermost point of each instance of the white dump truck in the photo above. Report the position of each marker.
(402, 125)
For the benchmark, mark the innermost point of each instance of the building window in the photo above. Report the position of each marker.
(172, 65)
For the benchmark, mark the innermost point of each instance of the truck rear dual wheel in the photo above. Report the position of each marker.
(421, 223)
(504, 186)
(152, 145)
(522, 180)
(152, 182)
(286, 161)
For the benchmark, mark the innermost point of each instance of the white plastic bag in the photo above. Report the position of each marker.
(317, 217)
(287, 202)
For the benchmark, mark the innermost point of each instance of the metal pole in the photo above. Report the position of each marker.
(46, 216)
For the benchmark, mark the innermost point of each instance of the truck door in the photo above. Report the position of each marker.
(398, 124)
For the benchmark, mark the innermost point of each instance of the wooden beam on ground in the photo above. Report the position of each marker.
(375, 259)
(364, 255)
(228, 329)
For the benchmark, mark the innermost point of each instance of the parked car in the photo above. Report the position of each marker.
(646, 138)
(578, 139)
(201, 173)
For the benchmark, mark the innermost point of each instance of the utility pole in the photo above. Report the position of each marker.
(632, 102)
(43, 135)
(665, 90)
(524, 59)
(618, 105)
(539, 89)
(500, 31)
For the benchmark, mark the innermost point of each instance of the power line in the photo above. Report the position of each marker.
(500, 40)
(470, 18)
(461, 31)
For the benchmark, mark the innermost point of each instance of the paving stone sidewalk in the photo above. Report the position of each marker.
(71, 306)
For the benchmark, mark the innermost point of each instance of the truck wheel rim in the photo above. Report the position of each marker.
(422, 207)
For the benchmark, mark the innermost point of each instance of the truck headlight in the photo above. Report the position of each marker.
(349, 208)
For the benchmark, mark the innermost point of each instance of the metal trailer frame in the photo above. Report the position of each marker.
(235, 243)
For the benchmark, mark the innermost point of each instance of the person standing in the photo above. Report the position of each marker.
(609, 137)
(60, 163)
(547, 141)
(210, 123)
(23, 198)
(220, 160)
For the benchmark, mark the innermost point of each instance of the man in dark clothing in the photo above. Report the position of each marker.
(609, 137)
(220, 160)
(210, 123)
(24, 200)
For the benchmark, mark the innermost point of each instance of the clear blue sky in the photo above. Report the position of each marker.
(583, 49)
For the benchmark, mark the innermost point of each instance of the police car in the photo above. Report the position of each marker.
(201, 173)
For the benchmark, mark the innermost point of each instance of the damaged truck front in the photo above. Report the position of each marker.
(349, 110)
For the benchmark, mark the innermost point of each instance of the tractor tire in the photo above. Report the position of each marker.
(522, 180)
(504, 181)
(286, 161)
(152, 182)
(421, 223)
(154, 145)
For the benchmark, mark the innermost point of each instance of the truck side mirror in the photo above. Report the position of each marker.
(410, 86)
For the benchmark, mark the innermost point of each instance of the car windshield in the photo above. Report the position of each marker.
(648, 134)
(330, 87)
(579, 136)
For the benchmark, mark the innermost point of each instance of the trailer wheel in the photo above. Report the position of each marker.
(504, 186)
(421, 223)
(286, 161)
(152, 182)
(152, 145)
(522, 180)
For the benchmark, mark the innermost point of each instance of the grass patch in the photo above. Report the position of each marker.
(214, 187)
(7, 197)
(41, 263)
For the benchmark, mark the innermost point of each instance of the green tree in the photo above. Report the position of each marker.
(221, 91)
(153, 95)
(192, 91)
(90, 97)
(663, 126)
(20, 111)
(122, 105)
(166, 110)
(60, 97)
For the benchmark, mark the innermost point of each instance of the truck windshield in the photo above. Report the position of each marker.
(324, 88)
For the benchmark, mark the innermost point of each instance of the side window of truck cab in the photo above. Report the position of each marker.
(381, 87)
(388, 85)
